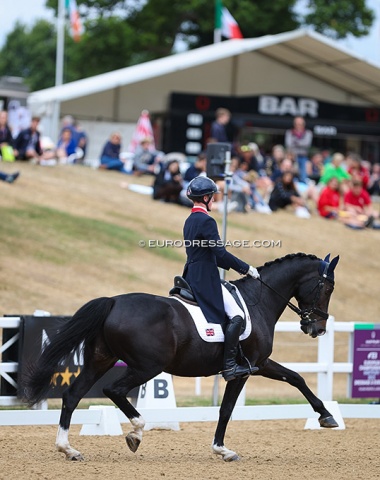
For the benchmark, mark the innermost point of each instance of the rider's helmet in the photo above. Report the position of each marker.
(200, 187)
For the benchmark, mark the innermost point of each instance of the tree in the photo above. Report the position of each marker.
(119, 33)
(339, 18)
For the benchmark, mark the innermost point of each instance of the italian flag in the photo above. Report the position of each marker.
(75, 22)
(225, 22)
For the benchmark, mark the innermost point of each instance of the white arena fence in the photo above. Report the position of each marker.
(325, 367)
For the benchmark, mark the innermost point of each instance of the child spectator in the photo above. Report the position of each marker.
(358, 206)
(329, 200)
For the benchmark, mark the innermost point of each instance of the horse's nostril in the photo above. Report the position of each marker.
(321, 332)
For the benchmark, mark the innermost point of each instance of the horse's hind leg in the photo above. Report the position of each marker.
(276, 371)
(70, 399)
(233, 389)
(118, 392)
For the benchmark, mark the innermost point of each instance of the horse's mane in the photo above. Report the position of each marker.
(290, 256)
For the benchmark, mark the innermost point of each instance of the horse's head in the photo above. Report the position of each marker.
(313, 298)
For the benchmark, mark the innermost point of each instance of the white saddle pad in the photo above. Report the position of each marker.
(212, 332)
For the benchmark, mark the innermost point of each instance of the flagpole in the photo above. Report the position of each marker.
(59, 66)
(218, 21)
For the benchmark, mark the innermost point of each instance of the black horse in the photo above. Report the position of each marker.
(152, 334)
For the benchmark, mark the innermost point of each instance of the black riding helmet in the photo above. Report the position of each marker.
(200, 187)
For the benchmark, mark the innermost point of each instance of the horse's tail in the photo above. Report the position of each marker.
(83, 327)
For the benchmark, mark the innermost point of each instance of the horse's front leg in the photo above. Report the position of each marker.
(233, 389)
(278, 372)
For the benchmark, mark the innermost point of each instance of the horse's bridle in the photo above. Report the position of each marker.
(305, 313)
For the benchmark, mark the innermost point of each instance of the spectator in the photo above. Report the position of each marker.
(358, 206)
(9, 177)
(299, 140)
(6, 138)
(285, 193)
(146, 159)
(27, 144)
(248, 155)
(219, 126)
(197, 168)
(66, 146)
(356, 168)
(374, 180)
(81, 139)
(168, 183)
(335, 169)
(330, 199)
(315, 167)
(272, 162)
(110, 156)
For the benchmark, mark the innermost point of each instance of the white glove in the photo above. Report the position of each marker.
(253, 272)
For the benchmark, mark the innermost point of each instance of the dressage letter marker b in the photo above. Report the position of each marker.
(155, 394)
(160, 388)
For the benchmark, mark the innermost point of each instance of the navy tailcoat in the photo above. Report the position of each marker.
(205, 253)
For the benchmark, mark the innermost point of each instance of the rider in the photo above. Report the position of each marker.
(205, 253)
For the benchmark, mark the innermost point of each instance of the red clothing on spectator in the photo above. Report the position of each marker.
(363, 174)
(360, 200)
(328, 198)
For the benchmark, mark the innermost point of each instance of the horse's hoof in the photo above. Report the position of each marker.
(75, 458)
(328, 422)
(231, 458)
(132, 442)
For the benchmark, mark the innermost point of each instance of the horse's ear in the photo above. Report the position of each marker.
(333, 264)
(327, 258)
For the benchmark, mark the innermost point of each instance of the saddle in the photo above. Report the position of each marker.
(183, 290)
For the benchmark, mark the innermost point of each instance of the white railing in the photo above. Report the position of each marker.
(324, 367)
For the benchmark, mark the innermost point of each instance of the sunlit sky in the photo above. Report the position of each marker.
(28, 11)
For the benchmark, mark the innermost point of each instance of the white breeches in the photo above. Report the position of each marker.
(231, 308)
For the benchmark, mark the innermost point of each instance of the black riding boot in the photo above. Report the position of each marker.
(231, 369)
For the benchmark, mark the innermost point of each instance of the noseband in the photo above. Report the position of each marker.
(305, 313)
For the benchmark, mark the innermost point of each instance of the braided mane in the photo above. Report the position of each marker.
(290, 256)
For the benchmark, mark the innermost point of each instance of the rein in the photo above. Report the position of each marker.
(306, 312)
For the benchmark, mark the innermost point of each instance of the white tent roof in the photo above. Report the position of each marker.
(302, 50)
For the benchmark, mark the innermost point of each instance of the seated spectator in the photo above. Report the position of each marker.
(374, 180)
(147, 160)
(197, 168)
(356, 168)
(168, 183)
(330, 199)
(6, 138)
(315, 167)
(240, 189)
(9, 177)
(335, 169)
(358, 206)
(248, 155)
(27, 145)
(81, 139)
(285, 193)
(66, 147)
(110, 156)
(271, 165)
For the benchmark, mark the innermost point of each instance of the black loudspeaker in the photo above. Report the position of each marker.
(216, 159)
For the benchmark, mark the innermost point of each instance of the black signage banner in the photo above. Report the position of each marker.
(190, 117)
(34, 332)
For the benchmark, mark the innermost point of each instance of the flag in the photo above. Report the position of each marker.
(142, 131)
(230, 27)
(225, 24)
(75, 22)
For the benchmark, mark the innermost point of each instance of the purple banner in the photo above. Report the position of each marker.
(366, 361)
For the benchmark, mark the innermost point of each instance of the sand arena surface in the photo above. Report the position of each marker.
(270, 450)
